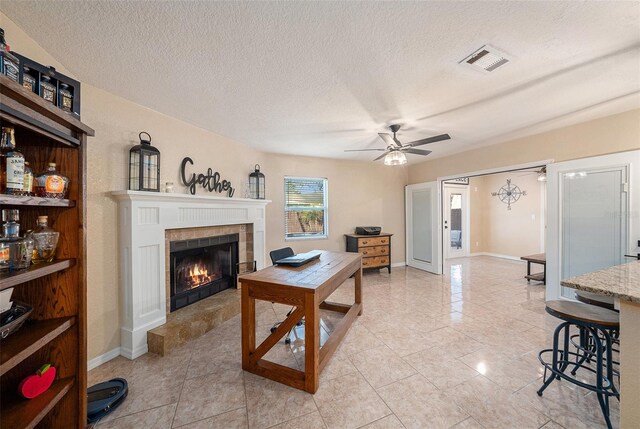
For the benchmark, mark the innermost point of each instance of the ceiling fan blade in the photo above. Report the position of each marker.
(381, 156)
(388, 140)
(362, 150)
(417, 151)
(428, 140)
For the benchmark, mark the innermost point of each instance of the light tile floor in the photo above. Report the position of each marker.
(452, 351)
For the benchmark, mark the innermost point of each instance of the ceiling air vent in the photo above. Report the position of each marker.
(486, 59)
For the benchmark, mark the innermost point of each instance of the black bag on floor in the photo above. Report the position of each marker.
(105, 397)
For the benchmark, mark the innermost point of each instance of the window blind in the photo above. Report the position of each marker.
(305, 207)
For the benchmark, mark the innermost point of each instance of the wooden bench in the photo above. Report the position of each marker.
(539, 258)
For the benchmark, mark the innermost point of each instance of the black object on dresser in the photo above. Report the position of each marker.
(368, 230)
(376, 249)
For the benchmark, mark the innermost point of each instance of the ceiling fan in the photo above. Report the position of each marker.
(394, 154)
(540, 171)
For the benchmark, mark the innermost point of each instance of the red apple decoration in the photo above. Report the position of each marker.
(37, 383)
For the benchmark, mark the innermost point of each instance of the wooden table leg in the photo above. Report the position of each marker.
(358, 288)
(248, 321)
(311, 343)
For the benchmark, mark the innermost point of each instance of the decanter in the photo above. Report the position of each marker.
(45, 241)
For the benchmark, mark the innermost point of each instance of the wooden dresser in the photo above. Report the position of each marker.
(375, 249)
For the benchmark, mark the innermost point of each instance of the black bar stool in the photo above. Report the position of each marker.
(596, 299)
(594, 354)
(603, 301)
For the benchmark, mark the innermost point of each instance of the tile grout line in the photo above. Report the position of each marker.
(206, 418)
(378, 395)
(181, 389)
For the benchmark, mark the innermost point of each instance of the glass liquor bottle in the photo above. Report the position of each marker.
(28, 81)
(48, 89)
(45, 241)
(15, 252)
(11, 225)
(10, 231)
(11, 164)
(27, 186)
(10, 63)
(52, 184)
(66, 98)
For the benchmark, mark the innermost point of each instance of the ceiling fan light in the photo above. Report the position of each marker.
(395, 158)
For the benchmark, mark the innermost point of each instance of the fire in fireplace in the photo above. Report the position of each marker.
(193, 273)
(199, 276)
(202, 267)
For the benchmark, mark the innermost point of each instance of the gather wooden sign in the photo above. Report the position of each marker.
(209, 181)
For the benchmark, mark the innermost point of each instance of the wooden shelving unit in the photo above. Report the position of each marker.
(8, 280)
(13, 200)
(33, 336)
(56, 330)
(27, 414)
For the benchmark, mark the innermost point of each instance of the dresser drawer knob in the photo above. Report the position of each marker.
(383, 251)
(364, 242)
(364, 252)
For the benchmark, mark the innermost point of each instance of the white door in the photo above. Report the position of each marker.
(455, 217)
(423, 235)
(592, 216)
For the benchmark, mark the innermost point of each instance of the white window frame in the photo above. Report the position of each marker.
(325, 208)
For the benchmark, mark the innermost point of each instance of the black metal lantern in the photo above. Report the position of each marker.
(144, 166)
(256, 184)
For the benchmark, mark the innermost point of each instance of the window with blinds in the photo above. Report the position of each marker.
(305, 207)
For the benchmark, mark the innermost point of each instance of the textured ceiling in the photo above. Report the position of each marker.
(315, 78)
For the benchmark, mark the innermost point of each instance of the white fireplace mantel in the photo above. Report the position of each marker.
(143, 219)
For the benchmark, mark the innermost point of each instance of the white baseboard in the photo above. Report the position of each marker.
(134, 353)
(104, 358)
(399, 264)
(496, 255)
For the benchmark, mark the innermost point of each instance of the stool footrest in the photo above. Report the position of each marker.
(565, 363)
(593, 352)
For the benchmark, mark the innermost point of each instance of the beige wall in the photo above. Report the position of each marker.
(359, 192)
(117, 123)
(610, 134)
(498, 231)
(477, 209)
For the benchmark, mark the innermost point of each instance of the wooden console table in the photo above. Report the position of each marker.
(306, 288)
(540, 258)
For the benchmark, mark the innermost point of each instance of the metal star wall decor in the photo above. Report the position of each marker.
(509, 194)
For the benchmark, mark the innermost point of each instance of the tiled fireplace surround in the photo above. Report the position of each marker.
(149, 221)
(245, 245)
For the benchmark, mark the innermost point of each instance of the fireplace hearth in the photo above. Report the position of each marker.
(202, 267)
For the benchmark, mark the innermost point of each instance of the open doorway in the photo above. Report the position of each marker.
(499, 213)
(508, 214)
(455, 215)
(425, 216)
